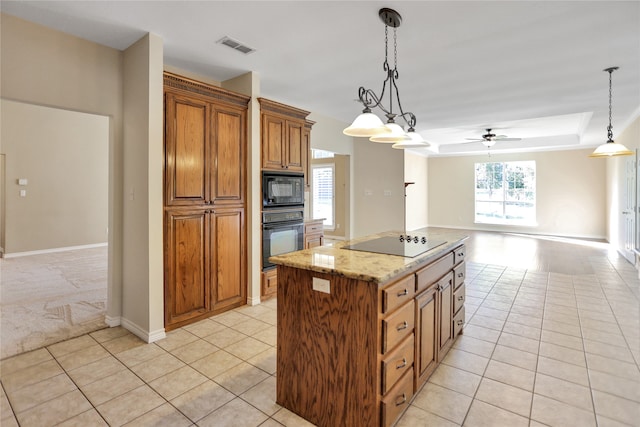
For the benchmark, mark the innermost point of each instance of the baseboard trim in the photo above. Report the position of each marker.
(144, 335)
(253, 300)
(111, 321)
(52, 250)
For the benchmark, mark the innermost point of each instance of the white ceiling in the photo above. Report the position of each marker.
(527, 69)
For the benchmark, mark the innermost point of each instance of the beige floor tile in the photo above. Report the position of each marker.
(515, 357)
(505, 396)
(13, 364)
(250, 326)
(36, 394)
(270, 318)
(443, 402)
(618, 386)
(110, 387)
(88, 418)
(247, 348)
(241, 378)
(231, 318)
(55, 410)
(82, 357)
(486, 322)
(216, 363)
(617, 408)
(177, 382)
(163, 416)
(263, 396)
(205, 327)
(157, 367)
(564, 391)
(497, 303)
(72, 345)
(108, 334)
(177, 338)
(195, 350)
(566, 371)
(562, 340)
(129, 406)
(492, 313)
(511, 375)
(267, 361)
(30, 375)
(289, 419)
(482, 414)
(141, 354)
(267, 336)
(563, 354)
(526, 311)
(570, 319)
(606, 350)
(608, 422)
(96, 370)
(563, 328)
(474, 345)
(456, 379)
(519, 342)
(481, 333)
(522, 330)
(235, 413)
(614, 367)
(554, 413)
(466, 361)
(526, 320)
(415, 416)
(200, 401)
(9, 420)
(224, 337)
(254, 310)
(123, 343)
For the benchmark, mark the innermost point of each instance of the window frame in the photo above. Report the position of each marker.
(332, 166)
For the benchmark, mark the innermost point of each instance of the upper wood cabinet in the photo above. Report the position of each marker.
(205, 144)
(285, 137)
(306, 153)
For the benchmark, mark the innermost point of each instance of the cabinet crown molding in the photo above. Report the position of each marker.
(278, 108)
(175, 81)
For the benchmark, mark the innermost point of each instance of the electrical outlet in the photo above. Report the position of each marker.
(321, 285)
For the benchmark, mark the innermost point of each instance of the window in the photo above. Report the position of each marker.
(321, 154)
(505, 193)
(323, 194)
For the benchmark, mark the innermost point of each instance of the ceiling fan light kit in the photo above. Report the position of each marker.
(365, 125)
(610, 148)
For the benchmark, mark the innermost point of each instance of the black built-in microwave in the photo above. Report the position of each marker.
(280, 189)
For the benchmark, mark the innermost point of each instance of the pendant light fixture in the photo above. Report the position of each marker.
(367, 123)
(610, 148)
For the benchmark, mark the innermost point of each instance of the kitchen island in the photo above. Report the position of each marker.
(359, 332)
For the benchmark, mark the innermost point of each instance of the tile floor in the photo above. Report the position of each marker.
(539, 348)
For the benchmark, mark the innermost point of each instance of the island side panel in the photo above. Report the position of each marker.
(327, 349)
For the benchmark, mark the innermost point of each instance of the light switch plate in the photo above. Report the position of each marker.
(321, 285)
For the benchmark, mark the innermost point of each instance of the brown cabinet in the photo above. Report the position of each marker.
(285, 134)
(306, 153)
(205, 201)
(269, 283)
(313, 233)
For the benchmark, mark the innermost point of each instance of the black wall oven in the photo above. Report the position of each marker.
(282, 232)
(281, 189)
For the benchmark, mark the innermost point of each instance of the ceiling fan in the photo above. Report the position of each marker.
(489, 138)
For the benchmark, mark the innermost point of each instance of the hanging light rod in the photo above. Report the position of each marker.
(610, 148)
(368, 124)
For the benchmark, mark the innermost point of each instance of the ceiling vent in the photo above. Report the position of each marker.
(236, 45)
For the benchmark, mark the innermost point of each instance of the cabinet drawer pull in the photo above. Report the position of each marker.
(403, 293)
(404, 325)
(460, 254)
(460, 322)
(461, 298)
(403, 399)
(403, 364)
(460, 274)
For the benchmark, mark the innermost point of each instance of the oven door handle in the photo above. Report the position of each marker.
(273, 225)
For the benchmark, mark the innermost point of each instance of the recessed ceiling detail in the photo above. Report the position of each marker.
(236, 45)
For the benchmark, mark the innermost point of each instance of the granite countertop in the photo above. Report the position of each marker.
(368, 266)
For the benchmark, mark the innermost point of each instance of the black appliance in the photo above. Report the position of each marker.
(282, 189)
(282, 232)
(405, 245)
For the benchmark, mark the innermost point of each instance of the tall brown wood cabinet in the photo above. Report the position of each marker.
(205, 200)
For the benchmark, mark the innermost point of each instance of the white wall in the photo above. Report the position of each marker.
(416, 170)
(65, 158)
(570, 193)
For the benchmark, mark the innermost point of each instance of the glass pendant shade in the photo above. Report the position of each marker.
(489, 143)
(416, 141)
(394, 134)
(366, 124)
(610, 149)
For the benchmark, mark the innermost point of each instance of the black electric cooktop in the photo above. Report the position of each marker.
(406, 245)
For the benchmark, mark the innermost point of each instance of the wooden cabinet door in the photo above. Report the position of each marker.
(313, 241)
(306, 156)
(294, 146)
(186, 275)
(273, 145)
(228, 155)
(228, 277)
(186, 172)
(426, 339)
(445, 297)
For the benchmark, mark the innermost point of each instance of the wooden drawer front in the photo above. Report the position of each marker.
(397, 363)
(398, 293)
(459, 275)
(397, 326)
(433, 272)
(313, 227)
(458, 298)
(459, 254)
(397, 400)
(458, 322)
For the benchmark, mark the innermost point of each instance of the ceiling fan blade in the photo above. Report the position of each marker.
(508, 139)
(475, 139)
